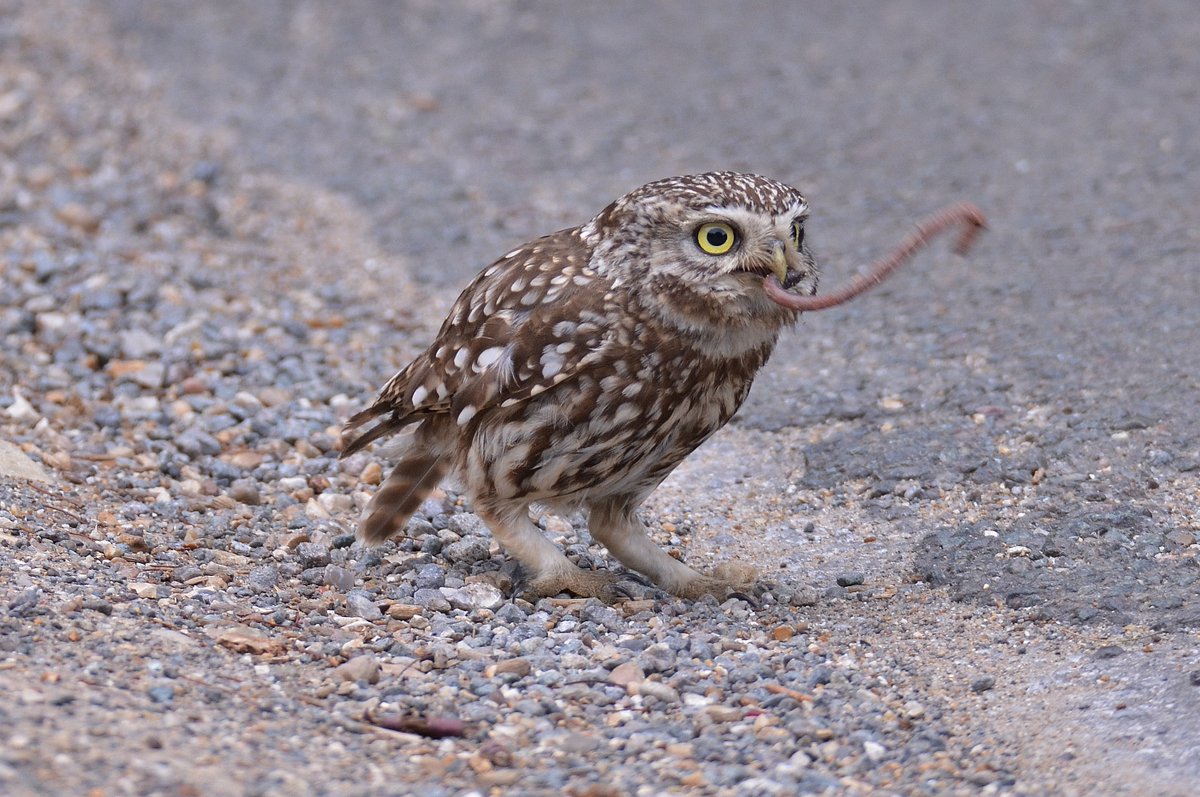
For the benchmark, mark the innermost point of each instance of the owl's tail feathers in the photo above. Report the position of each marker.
(406, 487)
(353, 441)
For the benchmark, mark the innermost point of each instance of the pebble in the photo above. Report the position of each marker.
(518, 666)
(340, 578)
(719, 713)
(851, 579)
(658, 690)
(312, 554)
(982, 683)
(467, 550)
(360, 604)
(474, 596)
(627, 674)
(431, 576)
(245, 491)
(359, 668)
(372, 473)
(161, 694)
(657, 658)
(431, 599)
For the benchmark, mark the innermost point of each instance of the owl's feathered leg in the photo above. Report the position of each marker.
(614, 524)
(550, 571)
(420, 468)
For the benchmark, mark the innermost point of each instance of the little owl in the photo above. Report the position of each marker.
(579, 369)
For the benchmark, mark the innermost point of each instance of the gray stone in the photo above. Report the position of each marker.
(430, 576)
(363, 605)
(431, 599)
(339, 577)
(312, 554)
(359, 668)
(468, 550)
(263, 578)
(851, 579)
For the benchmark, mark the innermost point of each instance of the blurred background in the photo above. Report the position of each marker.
(465, 127)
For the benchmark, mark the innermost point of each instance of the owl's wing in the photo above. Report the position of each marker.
(531, 320)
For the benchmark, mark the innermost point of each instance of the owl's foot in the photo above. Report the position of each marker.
(728, 580)
(605, 585)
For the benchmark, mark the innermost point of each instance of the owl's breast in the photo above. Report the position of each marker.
(621, 425)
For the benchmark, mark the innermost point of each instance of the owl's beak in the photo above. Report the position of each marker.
(779, 264)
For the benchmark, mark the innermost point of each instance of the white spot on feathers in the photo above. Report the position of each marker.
(488, 356)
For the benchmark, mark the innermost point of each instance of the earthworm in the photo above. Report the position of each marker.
(963, 214)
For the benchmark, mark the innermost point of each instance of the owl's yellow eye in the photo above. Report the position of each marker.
(716, 237)
(798, 233)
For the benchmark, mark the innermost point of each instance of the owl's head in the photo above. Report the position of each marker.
(700, 245)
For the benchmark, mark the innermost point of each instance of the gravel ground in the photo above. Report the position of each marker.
(973, 494)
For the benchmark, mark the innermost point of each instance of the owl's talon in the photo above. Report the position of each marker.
(604, 585)
(743, 597)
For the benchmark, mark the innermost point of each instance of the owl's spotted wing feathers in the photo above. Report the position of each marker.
(528, 322)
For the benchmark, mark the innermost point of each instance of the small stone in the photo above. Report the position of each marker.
(185, 573)
(145, 590)
(371, 474)
(658, 689)
(137, 344)
(338, 577)
(263, 578)
(783, 633)
(468, 550)
(429, 576)
(875, 751)
(983, 683)
(336, 503)
(161, 694)
(518, 666)
(431, 599)
(196, 443)
(626, 674)
(359, 668)
(98, 605)
(851, 579)
(403, 611)
(362, 605)
(1194, 677)
(657, 658)
(481, 596)
(312, 554)
(245, 639)
(465, 524)
(578, 743)
(603, 615)
(1109, 652)
(245, 491)
(77, 215)
(806, 596)
(719, 713)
